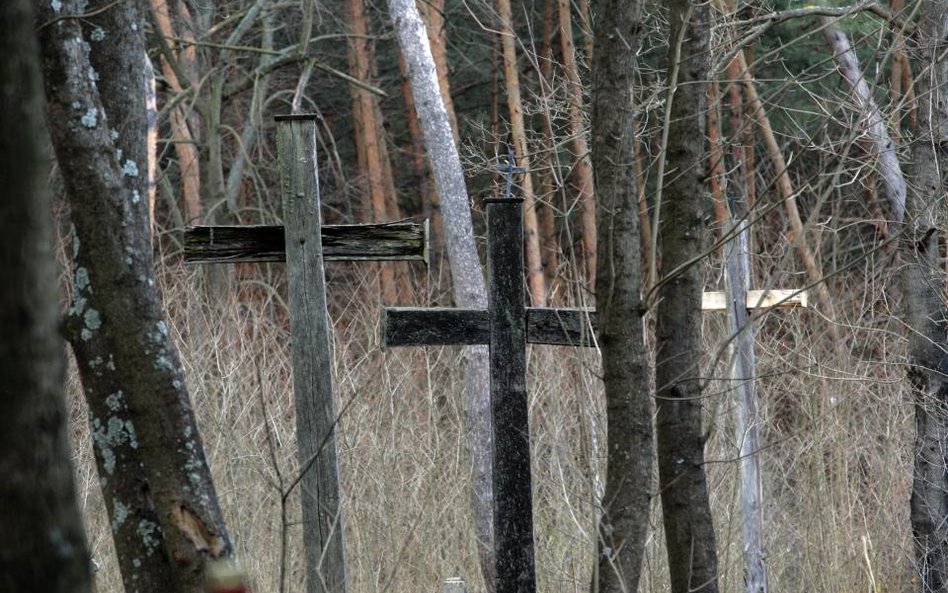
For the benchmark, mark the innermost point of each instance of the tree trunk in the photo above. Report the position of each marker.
(923, 284)
(131, 374)
(44, 545)
(508, 40)
(172, 63)
(368, 133)
(626, 504)
(468, 278)
(882, 146)
(744, 380)
(582, 168)
(689, 531)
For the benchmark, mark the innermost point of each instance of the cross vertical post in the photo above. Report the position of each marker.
(312, 356)
(513, 493)
(304, 244)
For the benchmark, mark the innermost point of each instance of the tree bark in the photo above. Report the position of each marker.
(582, 168)
(369, 138)
(626, 504)
(468, 278)
(882, 146)
(184, 62)
(686, 509)
(923, 284)
(44, 545)
(165, 508)
(531, 231)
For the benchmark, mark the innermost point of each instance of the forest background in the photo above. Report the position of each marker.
(785, 140)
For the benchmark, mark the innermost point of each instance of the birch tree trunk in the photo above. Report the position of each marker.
(466, 273)
(925, 309)
(883, 148)
(626, 504)
(165, 508)
(686, 509)
(44, 545)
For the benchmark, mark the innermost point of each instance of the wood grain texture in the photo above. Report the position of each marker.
(513, 493)
(402, 326)
(265, 243)
(312, 360)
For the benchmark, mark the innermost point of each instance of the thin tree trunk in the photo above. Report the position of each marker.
(744, 379)
(130, 369)
(44, 545)
(549, 246)
(923, 284)
(882, 146)
(797, 234)
(645, 222)
(508, 40)
(184, 141)
(432, 11)
(582, 168)
(626, 504)
(367, 135)
(468, 279)
(686, 509)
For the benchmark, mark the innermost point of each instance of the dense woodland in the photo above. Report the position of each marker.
(667, 150)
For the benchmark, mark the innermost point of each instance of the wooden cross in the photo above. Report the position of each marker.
(506, 326)
(303, 245)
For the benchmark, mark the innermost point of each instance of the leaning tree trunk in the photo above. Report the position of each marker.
(626, 504)
(925, 309)
(43, 546)
(686, 509)
(467, 276)
(165, 508)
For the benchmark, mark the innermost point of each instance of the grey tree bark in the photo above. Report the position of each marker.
(923, 281)
(883, 148)
(689, 532)
(152, 468)
(44, 545)
(623, 521)
(466, 272)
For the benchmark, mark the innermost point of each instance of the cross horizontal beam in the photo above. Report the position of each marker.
(758, 299)
(344, 242)
(469, 327)
(403, 326)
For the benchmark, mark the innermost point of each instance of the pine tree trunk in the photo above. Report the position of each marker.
(531, 233)
(368, 140)
(184, 141)
(626, 504)
(44, 544)
(686, 509)
(582, 168)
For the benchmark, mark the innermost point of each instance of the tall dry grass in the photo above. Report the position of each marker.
(837, 434)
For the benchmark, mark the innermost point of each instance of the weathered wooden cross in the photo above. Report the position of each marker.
(303, 244)
(506, 326)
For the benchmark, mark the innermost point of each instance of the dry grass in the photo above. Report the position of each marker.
(837, 475)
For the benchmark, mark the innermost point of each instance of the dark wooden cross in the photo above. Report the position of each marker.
(505, 326)
(303, 244)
